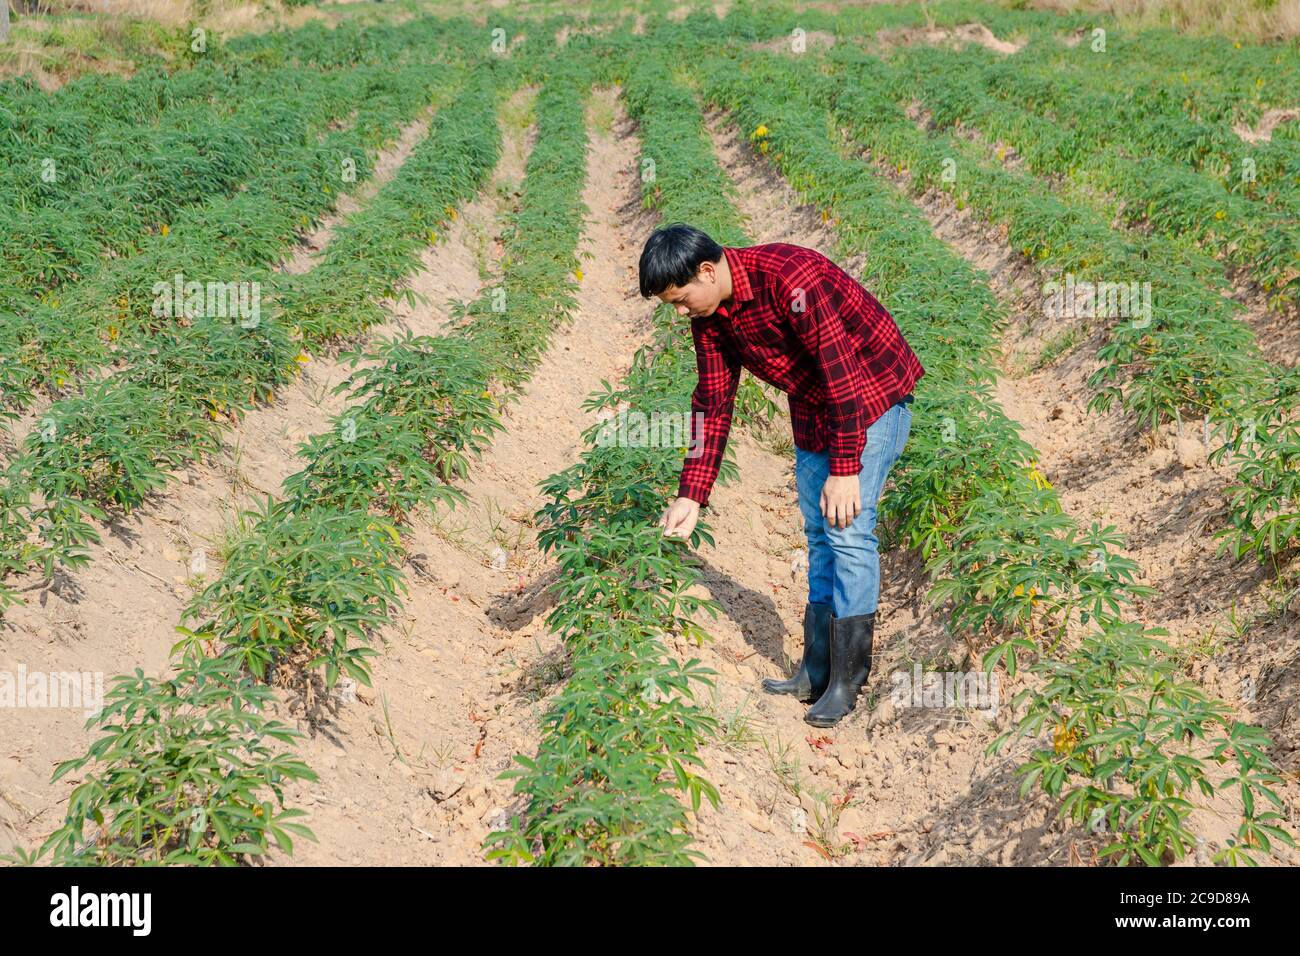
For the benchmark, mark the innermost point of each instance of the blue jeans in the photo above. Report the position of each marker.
(844, 563)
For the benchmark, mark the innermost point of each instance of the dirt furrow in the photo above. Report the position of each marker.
(410, 775)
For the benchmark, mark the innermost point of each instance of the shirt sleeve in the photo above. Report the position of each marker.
(711, 408)
(819, 326)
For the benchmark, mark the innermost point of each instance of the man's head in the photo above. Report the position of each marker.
(684, 267)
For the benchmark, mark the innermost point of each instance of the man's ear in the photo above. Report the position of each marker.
(707, 271)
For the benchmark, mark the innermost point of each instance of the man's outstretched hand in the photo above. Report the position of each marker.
(679, 520)
(841, 500)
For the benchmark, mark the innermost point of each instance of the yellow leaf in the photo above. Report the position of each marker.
(578, 273)
(1063, 740)
(165, 229)
(762, 147)
(389, 530)
(302, 358)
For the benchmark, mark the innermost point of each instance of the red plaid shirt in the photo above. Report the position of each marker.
(803, 324)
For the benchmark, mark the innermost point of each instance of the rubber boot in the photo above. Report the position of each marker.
(850, 665)
(809, 682)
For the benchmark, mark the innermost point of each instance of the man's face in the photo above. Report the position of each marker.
(701, 296)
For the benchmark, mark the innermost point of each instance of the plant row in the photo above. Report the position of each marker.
(144, 175)
(99, 133)
(315, 44)
(72, 115)
(1215, 80)
(105, 159)
(395, 74)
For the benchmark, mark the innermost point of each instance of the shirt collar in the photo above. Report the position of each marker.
(741, 291)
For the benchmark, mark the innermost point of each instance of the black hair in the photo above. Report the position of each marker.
(672, 256)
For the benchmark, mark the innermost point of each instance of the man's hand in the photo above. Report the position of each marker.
(841, 500)
(679, 520)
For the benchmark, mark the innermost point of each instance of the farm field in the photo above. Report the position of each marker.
(311, 342)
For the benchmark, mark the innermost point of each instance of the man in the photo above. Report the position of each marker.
(798, 321)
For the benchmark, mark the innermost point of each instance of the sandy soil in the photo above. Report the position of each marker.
(1263, 130)
(956, 37)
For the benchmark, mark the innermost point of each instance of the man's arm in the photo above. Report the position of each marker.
(714, 398)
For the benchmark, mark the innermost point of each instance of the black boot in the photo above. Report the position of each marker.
(809, 682)
(850, 665)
